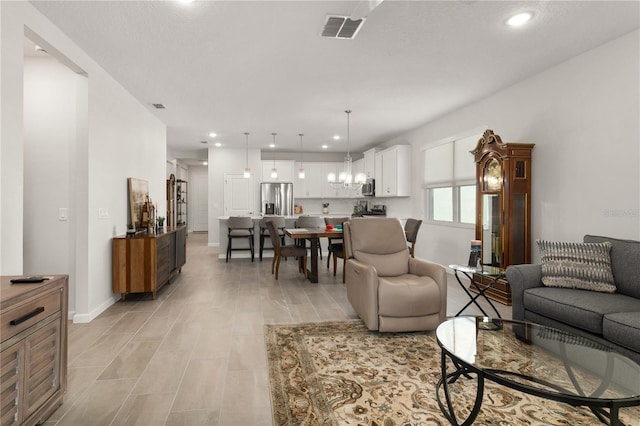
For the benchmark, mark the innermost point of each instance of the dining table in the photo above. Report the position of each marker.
(313, 235)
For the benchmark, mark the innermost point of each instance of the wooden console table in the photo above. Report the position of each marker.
(33, 350)
(144, 263)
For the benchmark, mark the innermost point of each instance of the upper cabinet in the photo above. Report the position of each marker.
(312, 184)
(285, 168)
(369, 163)
(393, 171)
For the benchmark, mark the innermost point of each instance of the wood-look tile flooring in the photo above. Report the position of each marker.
(196, 354)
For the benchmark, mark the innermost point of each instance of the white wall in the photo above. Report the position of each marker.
(120, 140)
(223, 161)
(51, 120)
(583, 116)
(198, 218)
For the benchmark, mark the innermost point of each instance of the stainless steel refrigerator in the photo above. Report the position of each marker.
(276, 198)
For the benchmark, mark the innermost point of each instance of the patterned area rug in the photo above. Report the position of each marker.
(341, 374)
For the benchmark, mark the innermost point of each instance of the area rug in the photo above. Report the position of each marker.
(340, 373)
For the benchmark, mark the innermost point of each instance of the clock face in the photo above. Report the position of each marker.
(492, 175)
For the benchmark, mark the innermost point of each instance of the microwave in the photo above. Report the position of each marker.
(369, 188)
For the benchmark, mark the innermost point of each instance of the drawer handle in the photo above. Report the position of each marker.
(31, 314)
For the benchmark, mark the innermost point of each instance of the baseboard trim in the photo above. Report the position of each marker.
(86, 318)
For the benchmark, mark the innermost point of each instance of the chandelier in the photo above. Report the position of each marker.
(346, 179)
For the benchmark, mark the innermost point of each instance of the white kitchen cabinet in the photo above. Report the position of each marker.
(378, 172)
(395, 176)
(312, 184)
(369, 163)
(286, 169)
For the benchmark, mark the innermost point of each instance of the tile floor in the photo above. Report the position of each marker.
(196, 355)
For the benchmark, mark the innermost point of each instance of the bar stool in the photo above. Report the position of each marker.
(278, 223)
(240, 227)
(311, 222)
(411, 228)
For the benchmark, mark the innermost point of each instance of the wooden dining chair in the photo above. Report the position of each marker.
(280, 250)
(279, 223)
(336, 246)
(411, 228)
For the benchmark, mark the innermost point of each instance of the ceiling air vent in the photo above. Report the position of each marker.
(341, 27)
(158, 106)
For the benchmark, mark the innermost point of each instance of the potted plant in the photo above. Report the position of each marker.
(160, 221)
(325, 208)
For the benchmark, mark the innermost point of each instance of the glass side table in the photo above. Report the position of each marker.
(492, 272)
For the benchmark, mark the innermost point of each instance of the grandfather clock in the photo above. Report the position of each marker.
(503, 206)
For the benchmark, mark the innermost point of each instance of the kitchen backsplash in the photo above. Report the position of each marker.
(396, 207)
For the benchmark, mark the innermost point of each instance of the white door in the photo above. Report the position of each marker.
(198, 199)
(238, 195)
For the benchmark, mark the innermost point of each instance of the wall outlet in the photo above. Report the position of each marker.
(103, 213)
(62, 214)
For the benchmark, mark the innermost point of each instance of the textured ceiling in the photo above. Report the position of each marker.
(261, 67)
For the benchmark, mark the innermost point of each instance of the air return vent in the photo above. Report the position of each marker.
(341, 27)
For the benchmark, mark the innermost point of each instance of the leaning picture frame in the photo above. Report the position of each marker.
(138, 190)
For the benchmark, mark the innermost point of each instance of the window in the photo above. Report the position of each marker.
(449, 181)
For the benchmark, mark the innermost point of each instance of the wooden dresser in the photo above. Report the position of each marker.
(33, 350)
(145, 263)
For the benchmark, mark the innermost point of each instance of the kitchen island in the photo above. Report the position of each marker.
(290, 222)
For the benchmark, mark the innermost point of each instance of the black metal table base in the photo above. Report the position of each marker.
(599, 408)
(482, 289)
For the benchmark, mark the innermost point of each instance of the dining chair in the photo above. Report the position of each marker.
(239, 227)
(280, 250)
(411, 228)
(310, 222)
(278, 222)
(336, 246)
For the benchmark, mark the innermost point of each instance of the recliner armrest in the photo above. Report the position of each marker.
(521, 278)
(438, 273)
(362, 291)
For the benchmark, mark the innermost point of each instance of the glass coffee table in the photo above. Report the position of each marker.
(537, 360)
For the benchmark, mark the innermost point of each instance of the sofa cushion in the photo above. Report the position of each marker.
(408, 296)
(623, 328)
(579, 308)
(586, 266)
(625, 263)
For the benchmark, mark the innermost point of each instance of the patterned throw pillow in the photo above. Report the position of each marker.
(586, 266)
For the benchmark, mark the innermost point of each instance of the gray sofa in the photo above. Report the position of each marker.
(612, 319)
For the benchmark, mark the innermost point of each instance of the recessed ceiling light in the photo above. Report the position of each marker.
(212, 135)
(218, 144)
(204, 163)
(272, 145)
(519, 19)
(185, 1)
(336, 138)
(39, 49)
(325, 146)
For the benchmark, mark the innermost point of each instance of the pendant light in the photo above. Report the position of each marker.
(247, 170)
(301, 170)
(274, 171)
(346, 179)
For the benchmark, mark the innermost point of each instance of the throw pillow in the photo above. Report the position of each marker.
(586, 266)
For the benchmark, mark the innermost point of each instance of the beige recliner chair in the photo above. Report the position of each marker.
(389, 290)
